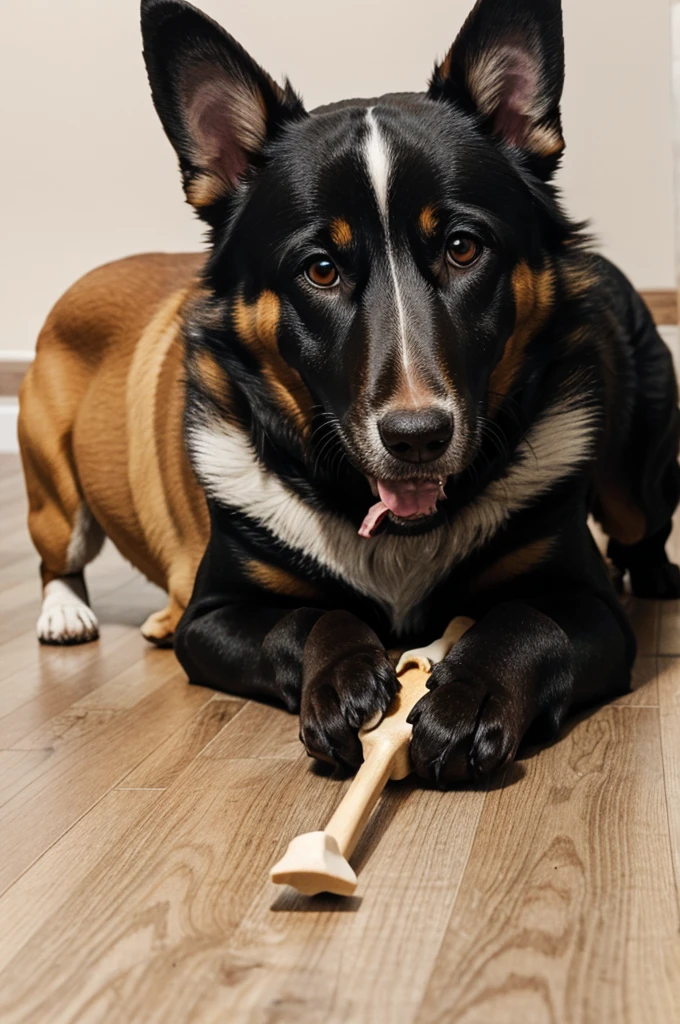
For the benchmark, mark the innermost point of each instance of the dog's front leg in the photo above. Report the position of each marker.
(522, 662)
(257, 651)
(248, 649)
(347, 681)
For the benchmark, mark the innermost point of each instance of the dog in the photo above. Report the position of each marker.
(404, 381)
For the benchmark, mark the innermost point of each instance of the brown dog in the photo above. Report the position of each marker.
(100, 431)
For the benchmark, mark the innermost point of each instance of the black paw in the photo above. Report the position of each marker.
(462, 730)
(661, 582)
(342, 692)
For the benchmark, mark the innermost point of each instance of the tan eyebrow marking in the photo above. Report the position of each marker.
(341, 232)
(428, 220)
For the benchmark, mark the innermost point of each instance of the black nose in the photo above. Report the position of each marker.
(417, 436)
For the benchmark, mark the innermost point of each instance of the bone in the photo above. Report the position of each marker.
(318, 862)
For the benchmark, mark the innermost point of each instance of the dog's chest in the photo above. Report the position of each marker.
(396, 572)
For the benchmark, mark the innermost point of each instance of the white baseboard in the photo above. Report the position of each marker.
(9, 412)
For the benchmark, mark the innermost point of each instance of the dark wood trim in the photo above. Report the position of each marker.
(12, 372)
(663, 305)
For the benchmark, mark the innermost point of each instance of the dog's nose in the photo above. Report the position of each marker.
(417, 436)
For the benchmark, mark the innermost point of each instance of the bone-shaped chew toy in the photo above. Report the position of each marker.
(319, 861)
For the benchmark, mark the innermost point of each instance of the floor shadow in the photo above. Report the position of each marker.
(292, 902)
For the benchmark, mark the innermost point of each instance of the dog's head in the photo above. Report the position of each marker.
(383, 266)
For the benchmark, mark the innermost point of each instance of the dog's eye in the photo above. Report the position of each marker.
(462, 250)
(322, 272)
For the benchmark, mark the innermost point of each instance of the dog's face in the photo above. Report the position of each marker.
(389, 260)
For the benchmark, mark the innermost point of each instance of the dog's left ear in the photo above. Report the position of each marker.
(218, 107)
(507, 67)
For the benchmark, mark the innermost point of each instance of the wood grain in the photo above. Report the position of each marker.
(160, 769)
(35, 897)
(662, 304)
(567, 911)
(669, 701)
(139, 817)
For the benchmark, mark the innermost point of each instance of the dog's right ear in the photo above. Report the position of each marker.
(218, 107)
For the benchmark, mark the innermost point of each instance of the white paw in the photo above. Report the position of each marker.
(66, 618)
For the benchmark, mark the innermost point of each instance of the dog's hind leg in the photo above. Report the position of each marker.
(62, 528)
(638, 491)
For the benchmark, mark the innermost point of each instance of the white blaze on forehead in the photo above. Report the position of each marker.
(378, 162)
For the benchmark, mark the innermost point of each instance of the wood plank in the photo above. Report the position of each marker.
(17, 768)
(644, 618)
(371, 962)
(93, 750)
(662, 304)
(31, 697)
(46, 889)
(644, 689)
(669, 628)
(567, 910)
(177, 923)
(167, 762)
(147, 928)
(261, 731)
(669, 701)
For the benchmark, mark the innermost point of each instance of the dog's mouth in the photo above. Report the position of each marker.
(403, 504)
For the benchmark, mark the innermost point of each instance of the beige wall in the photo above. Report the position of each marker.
(86, 174)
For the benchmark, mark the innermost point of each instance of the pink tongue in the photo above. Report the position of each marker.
(404, 498)
(409, 497)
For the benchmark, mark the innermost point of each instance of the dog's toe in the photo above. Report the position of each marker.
(159, 628)
(67, 623)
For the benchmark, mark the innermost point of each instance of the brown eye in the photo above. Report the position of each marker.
(321, 272)
(462, 250)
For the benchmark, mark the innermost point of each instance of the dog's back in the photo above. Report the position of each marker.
(108, 368)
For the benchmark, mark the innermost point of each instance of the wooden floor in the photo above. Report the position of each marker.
(139, 817)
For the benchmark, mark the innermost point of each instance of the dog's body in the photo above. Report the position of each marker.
(101, 439)
(394, 308)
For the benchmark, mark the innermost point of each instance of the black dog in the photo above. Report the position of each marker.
(429, 383)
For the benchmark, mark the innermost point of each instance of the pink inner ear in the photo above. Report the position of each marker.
(224, 120)
(517, 84)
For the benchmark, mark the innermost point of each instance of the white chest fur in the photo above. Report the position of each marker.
(396, 572)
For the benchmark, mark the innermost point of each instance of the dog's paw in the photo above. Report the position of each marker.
(353, 691)
(463, 731)
(661, 582)
(65, 617)
(159, 628)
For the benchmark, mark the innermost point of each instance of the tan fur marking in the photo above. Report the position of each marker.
(544, 141)
(256, 326)
(534, 294)
(579, 278)
(444, 69)
(341, 232)
(279, 581)
(621, 518)
(157, 464)
(428, 220)
(516, 563)
(209, 375)
(205, 189)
